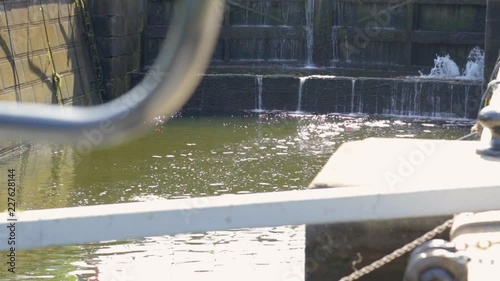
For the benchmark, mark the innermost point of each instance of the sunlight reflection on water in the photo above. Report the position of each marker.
(196, 157)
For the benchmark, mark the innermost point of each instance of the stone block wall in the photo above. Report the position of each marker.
(119, 25)
(26, 68)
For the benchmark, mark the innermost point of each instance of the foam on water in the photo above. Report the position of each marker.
(445, 67)
(474, 69)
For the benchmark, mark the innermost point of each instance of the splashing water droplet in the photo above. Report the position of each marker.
(444, 67)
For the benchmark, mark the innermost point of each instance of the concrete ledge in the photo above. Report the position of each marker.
(407, 164)
(388, 165)
(325, 95)
(414, 96)
(229, 95)
(280, 93)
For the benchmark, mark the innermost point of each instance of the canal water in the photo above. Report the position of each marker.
(194, 156)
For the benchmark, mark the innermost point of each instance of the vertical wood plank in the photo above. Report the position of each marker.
(323, 21)
(226, 25)
(409, 30)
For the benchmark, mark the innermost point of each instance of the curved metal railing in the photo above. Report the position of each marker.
(163, 91)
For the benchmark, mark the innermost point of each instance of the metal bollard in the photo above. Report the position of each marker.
(472, 255)
(436, 260)
(489, 118)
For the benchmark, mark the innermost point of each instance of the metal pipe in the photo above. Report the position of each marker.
(164, 90)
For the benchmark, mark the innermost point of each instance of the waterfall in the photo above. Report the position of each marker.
(466, 102)
(310, 31)
(335, 45)
(301, 89)
(452, 104)
(444, 67)
(437, 107)
(259, 94)
(353, 94)
(263, 9)
(392, 105)
(283, 50)
(404, 93)
(474, 69)
(285, 11)
(360, 104)
(436, 102)
(346, 50)
(416, 98)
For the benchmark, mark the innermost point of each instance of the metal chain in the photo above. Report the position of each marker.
(93, 50)
(399, 252)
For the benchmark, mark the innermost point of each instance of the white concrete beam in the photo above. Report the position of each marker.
(43, 228)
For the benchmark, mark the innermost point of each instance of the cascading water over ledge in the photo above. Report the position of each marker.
(410, 96)
(309, 32)
(259, 108)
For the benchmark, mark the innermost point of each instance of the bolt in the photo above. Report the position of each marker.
(484, 244)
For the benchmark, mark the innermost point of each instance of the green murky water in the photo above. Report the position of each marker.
(192, 157)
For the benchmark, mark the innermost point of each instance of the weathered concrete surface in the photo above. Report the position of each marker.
(280, 93)
(26, 67)
(332, 249)
(385, 165)
(119, 26)
(227, 94)
(326, 95)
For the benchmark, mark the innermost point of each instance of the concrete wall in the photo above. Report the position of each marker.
(118, 25)
(25, 65)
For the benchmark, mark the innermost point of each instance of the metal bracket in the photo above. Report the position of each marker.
(436, 260)
(163, 91)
